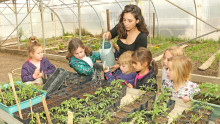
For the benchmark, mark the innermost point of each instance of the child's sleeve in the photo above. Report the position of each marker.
(25, 75)
(109, 76)
(194, 88)
(81, 69)
(96, 55)
(50, 68)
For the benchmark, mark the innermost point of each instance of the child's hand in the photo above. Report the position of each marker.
(185, 99)
(129, 85)
(40, 75)
(115, 67)
(36, 73)
(105, 68)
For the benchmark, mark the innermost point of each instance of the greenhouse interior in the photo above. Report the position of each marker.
(110, 61)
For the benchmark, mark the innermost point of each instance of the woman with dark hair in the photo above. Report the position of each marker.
(131, 30)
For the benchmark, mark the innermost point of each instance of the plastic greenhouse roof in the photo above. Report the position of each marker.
(173, 18)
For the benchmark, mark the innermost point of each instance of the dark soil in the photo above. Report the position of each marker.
(210, 99)
(160, 119)
(127, 109)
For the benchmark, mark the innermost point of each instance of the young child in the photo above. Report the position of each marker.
(81, 58)
(126, 71)
(142, 60)
(170, 52)
(178, 72)
(37, 65)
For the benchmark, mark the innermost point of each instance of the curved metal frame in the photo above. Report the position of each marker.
(119, 4)
(97, 15)
(54, 13)
(196, 18)
(70, 9)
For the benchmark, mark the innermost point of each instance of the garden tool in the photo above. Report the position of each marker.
(106, 53)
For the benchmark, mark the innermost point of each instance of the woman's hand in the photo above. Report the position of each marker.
(107, 35)
(185, 99)
(115, 67)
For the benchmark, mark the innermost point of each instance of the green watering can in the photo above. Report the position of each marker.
(106, 53)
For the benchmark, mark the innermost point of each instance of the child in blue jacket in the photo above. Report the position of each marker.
(126, 71)
(81, 58)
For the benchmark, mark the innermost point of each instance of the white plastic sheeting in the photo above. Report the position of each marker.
(170, 20)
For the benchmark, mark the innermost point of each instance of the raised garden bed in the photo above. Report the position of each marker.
(209, 96)
(24, 92)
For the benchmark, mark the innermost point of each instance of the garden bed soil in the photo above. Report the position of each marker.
(210, 99)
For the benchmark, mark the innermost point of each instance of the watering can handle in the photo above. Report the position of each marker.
(103, 42)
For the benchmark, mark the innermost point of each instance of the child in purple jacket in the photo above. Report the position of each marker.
(37, 65)
(126, 71)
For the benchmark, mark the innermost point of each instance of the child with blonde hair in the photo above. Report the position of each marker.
(170, 52)
(146, 67)
(81, 58)
(126, 71)
(178, 72)
(37, 65)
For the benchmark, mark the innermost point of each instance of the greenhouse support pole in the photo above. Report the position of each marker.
(153, 25)
(149, 24)
(79, 17)
(16, 18)
(42, 22)
(108, 20)
(30, 19)
(55, 26)
(196, 18)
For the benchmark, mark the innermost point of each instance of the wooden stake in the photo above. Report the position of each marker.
(70, 117)
(31, 110)
(46, 110)
(38, 118)
(42, 74)
(16, 99)
(2, 96)
(65, 82)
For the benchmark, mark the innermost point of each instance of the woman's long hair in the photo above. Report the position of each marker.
(136, 11)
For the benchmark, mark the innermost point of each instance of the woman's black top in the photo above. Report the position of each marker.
(140, 41)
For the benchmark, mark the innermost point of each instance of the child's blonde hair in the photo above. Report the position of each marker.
(175, 51)
(182, 67)
(126, 58)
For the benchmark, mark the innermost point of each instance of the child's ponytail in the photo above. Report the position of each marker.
(155, 66)
(33, 40)
(68, 56)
